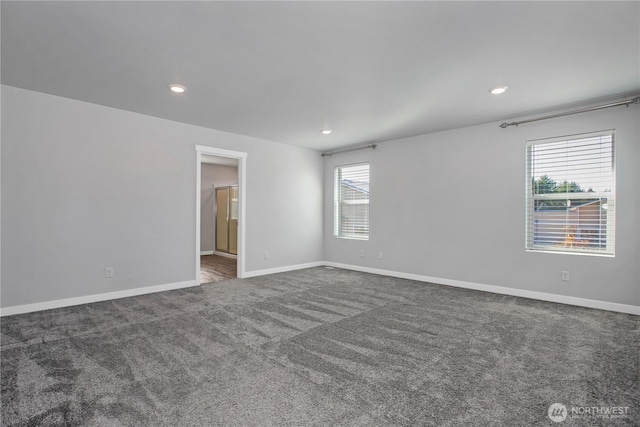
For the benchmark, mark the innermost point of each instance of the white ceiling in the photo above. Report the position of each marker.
(283, 71)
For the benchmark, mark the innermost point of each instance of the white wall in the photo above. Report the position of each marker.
(451, 205)
(86, 186)
(212, 175)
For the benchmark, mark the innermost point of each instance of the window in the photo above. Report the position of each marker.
(571, 193)
(351, 202)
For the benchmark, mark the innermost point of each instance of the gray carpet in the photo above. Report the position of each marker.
(318, 347)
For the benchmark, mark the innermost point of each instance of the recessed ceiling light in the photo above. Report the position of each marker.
(498, 90)
(177, 88)
(326, 131)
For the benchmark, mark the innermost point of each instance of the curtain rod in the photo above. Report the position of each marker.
(626, 103)
(346, 150)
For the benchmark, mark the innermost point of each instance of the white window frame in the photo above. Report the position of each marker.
(338, 202)
(531, 198)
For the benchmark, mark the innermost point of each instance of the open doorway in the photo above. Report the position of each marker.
(218, 219)
(220, 214)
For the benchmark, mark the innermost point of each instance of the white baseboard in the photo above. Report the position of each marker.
(225, 254)
(542, 296)
(28, 308)
(284, 269)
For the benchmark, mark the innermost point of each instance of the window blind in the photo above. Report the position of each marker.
(351, 201)
(571, 194)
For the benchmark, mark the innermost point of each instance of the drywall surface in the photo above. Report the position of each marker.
(85, 187)
(451, 205)
(212, 176)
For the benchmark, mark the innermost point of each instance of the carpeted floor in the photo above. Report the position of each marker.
(319, 346)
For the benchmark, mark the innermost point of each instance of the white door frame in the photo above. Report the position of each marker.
(242, 175)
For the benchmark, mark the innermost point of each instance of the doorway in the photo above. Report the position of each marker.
(235, 245)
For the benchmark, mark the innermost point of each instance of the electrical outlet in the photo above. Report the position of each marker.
(108, 272)
(266, 254)
(565, 276)
(380, 255)
(362, 252)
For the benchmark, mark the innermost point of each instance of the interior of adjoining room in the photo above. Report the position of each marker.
(218, 218)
